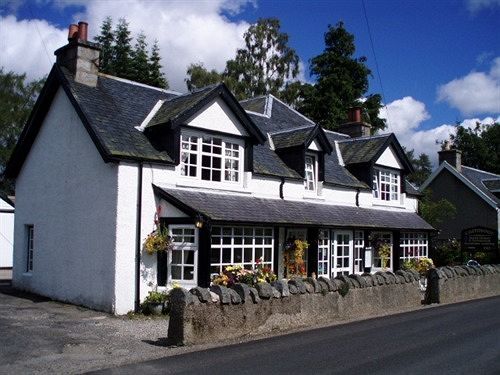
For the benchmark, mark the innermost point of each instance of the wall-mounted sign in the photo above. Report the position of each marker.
(479, 239)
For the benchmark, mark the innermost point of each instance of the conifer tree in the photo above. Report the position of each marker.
(106, 40)
(156, 77)
(122, 61)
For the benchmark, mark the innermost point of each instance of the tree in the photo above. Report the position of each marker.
(266, 65)
(120, 59)
(199, 76)
(156, 77)
(422, 166)
(17, 97)
(122, 50)
(480, 146)
(341, 80)
(106, 40)
(140, 63)
(435, 212)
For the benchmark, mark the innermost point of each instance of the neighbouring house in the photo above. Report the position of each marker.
(234, 182)
(6, 231)
(476, 197)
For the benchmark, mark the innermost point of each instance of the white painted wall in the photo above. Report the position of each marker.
(6, 234)
(218, 117)
(68, 193)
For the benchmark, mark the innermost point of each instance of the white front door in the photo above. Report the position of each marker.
(183, 259)
(342, 253)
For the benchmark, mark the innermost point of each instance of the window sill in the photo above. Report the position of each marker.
(380, 203)
(313, 196)
(28, 274)
(210, 185)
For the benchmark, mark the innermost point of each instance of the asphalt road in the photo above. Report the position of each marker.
(452, 339)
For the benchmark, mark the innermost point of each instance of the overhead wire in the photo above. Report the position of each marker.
(375, 59)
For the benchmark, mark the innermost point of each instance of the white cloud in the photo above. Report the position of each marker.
(476, 93)
(404, 118)
(476, 5)
(28, 46)
(187, 31)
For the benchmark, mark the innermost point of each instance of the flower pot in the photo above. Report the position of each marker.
(155, 308)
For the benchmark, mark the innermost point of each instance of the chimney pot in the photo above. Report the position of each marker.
(354, 114)
(72, 32)
(82, 30)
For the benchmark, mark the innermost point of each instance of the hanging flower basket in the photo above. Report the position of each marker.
(158, 241)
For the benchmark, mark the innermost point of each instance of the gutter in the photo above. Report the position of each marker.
(137, 300)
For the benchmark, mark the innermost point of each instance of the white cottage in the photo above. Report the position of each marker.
(232, 181)
(6, 232)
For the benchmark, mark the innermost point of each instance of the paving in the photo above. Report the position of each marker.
(48, 337)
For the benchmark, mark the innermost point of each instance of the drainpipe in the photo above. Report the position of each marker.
(357, 197)
(137, 301)
(281, 187)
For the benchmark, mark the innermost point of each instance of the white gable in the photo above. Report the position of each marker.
(389, 159)
(314, 146)
(4, 205)
(217, 116)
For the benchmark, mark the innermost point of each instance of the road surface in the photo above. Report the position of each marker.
(451, 339)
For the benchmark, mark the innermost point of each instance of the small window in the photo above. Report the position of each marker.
(30, 247)
(386, 185)
(310, 173)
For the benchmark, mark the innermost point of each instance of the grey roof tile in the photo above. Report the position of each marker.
(477, 176)
(362, 150)
(114, 108)
(249, 209)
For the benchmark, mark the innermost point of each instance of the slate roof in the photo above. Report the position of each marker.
(249, 209)
(113, 109)
(178, 105)
(484, 181)
(291, 137)
(362, 150)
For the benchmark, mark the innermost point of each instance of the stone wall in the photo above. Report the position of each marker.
(206, 315)
(462, 283)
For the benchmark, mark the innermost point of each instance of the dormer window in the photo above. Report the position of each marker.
(311, 174)
(211, 158)
(386, 185)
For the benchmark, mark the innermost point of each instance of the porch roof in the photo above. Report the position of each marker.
(239, 208)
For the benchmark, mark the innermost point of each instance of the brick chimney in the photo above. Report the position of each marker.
(80, 56)
(451, 156)
(355, 127)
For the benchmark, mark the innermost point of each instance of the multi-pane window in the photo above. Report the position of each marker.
(30, 232)
(386, 185)
(310, 173)
(359, 246)
(240, 246)
(413, 245)
(323, 252)
(341, 253)
(210, 158)
(183, 254)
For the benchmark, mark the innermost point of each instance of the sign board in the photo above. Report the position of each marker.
(479, 239)
(368, 257)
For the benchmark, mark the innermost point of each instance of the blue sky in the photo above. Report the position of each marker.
(439, 61)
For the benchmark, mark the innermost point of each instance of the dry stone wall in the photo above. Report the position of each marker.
(462, 283)
(203, 315)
